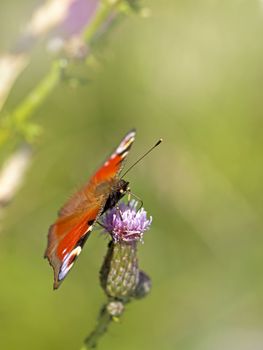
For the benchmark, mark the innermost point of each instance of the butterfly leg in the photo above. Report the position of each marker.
(101, 225)
(119, 212)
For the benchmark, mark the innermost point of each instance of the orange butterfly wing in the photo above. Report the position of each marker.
(75, 221)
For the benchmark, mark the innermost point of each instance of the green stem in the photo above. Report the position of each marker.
(16, 121)
(36, 97)
(101, 328)
(103, 13)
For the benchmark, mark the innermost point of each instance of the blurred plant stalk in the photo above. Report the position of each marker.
(43, 20)
(83, 23)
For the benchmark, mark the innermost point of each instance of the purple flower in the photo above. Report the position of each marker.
(125, 223)
(80, 14)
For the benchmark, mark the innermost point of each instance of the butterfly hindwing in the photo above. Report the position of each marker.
(77, 217)
(66, 239)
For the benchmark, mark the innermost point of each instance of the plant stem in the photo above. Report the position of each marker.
(36, 97)
(104, 320)
(15, 122)
(103, 13)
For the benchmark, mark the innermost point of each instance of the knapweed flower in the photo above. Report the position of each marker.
(120, 275)
(125, 223)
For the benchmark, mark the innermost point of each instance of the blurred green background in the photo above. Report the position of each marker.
(192, 73)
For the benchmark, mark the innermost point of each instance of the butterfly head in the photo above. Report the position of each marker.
(122, 187)
(119, 190)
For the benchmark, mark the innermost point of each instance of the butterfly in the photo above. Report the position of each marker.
(77, 217)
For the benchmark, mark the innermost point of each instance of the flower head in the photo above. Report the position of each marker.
(125, 223)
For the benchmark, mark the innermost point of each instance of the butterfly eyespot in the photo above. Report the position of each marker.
(68, 262)
(124, 154)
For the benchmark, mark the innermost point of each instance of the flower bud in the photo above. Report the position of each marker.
(120, 273)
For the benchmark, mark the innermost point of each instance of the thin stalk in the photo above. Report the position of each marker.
(15, 122)
(103, 13)
(103, 323)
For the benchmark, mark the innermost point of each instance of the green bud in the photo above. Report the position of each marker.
(119, 274)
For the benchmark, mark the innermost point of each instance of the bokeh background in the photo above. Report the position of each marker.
(191, 73)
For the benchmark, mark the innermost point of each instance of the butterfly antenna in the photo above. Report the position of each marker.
(144, 155)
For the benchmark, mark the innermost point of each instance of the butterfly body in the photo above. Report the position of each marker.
(77, 217)
(119, 190)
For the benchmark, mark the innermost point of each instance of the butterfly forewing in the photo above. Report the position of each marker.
(76, 218)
